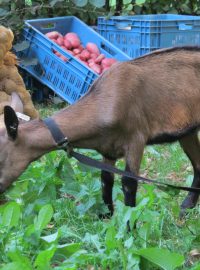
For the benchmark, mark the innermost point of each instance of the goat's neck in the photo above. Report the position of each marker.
(76, 123)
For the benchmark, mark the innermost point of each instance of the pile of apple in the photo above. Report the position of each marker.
(90, 55)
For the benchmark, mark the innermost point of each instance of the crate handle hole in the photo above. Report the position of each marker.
(107, 49)
(123, 26)
(49, 25)
(185, 26)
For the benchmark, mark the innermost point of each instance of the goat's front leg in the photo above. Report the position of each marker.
(133, 160)
(107, 181)
(129, 185)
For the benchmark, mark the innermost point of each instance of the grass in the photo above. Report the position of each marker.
(50, 220)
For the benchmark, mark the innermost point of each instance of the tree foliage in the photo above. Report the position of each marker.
(188, 7)
(13, 13)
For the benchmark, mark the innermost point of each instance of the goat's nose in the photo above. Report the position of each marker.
(2, 188)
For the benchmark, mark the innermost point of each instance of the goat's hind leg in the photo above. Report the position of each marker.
(191, 147)
(107, 182)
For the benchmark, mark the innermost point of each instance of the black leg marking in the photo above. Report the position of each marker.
(192, 198)
(191, 147)
(107, 180)
(129, 187)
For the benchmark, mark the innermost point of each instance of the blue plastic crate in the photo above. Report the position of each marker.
(71, 79)
(141, 34)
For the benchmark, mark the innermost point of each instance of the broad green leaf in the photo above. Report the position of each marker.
(126, 2)
(143, 232)
(197, 267)
(94, 240)
(11, 215)
(50, 238)
(140, 2)
(129, 242)
(15, 266)
(17, 257)
(80, 3)
(28, 2)
(112, 3)
(17, 190)
(110, 240)
(84, 207)
(43, 259)
(68, 249)
(44, 217)
(97, 3)
(129, 7)
(163, 258)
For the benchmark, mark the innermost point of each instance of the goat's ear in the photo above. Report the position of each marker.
(11, 122)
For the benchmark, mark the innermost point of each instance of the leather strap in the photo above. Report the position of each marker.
(109, 168)
(56, 133)
(62, 143)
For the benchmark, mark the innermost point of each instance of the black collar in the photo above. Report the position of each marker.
(60, 139)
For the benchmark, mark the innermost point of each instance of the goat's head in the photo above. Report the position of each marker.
(11, 146)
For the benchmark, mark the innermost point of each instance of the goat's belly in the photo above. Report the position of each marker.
(168, 137)
(112, 153)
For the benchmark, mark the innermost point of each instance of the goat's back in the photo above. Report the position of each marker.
(158, 93)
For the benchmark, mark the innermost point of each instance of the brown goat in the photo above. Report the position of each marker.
(152, 99)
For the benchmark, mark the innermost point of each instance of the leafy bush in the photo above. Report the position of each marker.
(51, 220)
(168, 6)
(12, 13)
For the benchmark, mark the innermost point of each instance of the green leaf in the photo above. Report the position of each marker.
(28, 2)
(163, 258)
(43, 259)
(44, 217)
(80, 3)
(50, 238)
(129, 7)
(93, 239)
(18, 47)
(126, 2)
(110, 240)
(197, 267)
(15, 266)
(112, 3)
(97, 3)
(68, 249)
(140, 2)
(129, 242)
(17, 257)
(11, 215)
(84, 207)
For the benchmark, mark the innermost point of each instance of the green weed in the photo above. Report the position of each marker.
(50, 219)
